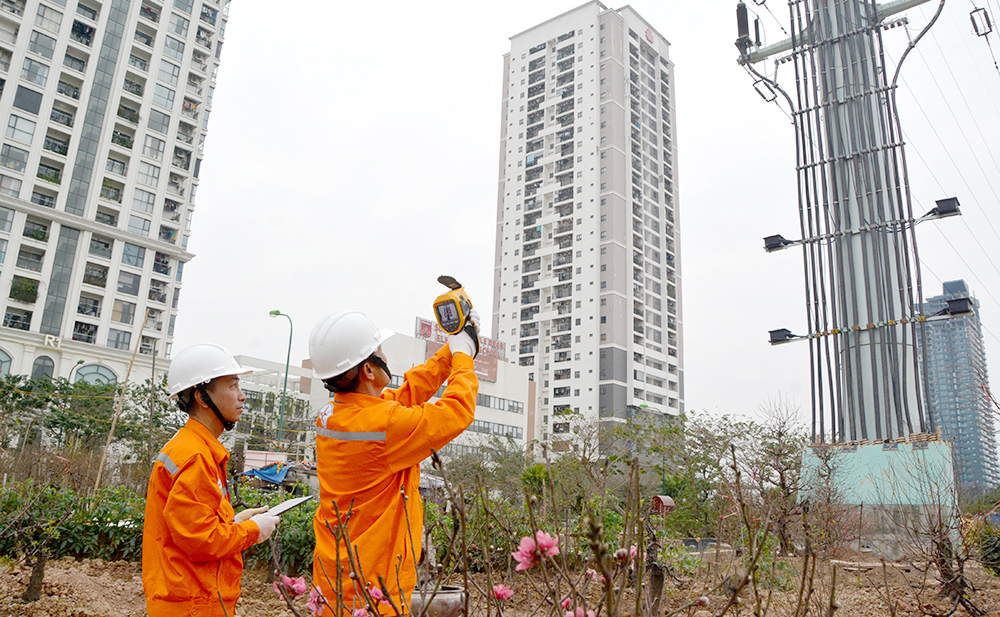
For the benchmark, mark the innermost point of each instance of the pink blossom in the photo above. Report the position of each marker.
(548, 546)
(565, 603)
(502, 592)
(297, 586)
(316, 601)
(277, 589)
(525, 555)
(592, 573)
(360, 612)
(377, 595)
(621, 555)
(633, 551)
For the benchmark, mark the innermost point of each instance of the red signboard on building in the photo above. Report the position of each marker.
(491, 351)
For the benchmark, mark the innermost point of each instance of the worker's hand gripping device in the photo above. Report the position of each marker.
(452, 310)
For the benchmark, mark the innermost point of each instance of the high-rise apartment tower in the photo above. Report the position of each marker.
(587, 263)
(958, 390)
(106, 105)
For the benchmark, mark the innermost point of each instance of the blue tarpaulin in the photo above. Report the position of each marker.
(274, 473)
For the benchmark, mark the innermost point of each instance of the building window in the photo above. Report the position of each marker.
(133, 255)
(173, 48)
(169, 72)
(158, 121)
(148, 174)
(96, 374)
(9, 186)
(163, 96)
(41, 44)
(143, 201)
(20, 129)
(153, 147)
(42, 367)
(119, 339)
(178, 24)
(13, 158)
(138, 225)
(128, 283)
(74, 63)
(124, 312)
(48, 18)
(35, 72)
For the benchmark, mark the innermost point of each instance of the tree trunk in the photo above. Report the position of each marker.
(34, 590)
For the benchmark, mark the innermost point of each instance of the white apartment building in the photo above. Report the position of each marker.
(587, 260)
(105, 104)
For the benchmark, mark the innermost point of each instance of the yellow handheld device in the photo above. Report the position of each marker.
(452, 308)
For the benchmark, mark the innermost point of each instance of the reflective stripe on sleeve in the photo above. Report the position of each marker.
(349, 436)
(169, 464)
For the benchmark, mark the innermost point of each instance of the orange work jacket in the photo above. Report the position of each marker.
(368, 453)
(191, 549)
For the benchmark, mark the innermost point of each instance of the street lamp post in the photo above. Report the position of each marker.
(284, 389)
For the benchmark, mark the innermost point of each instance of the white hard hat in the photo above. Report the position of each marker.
(341, 341)
(200, 363)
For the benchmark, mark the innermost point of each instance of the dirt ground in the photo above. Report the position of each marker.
(98, 589)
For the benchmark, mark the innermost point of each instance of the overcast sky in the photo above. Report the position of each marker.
(353, 154)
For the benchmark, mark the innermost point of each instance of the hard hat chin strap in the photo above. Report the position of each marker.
(226, 424)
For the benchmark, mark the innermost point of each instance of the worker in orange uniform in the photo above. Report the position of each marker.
(369, 445)
(192, 543)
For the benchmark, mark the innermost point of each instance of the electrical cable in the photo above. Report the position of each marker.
(961, 92)
(952, 159)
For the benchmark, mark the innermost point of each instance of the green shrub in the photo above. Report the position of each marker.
(989, 548)
(296, 533)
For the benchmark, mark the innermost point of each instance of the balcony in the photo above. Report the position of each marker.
(91, 307)
(55, 145)
(82, 33)
(139, 63)
(95, 276)
(182, 159)
(161, 265)
(106, 218)
(143, 38)
(65, 89)
(208, 15)
(100, 248)
(84, 332)
(175, 185)
(128, 114)
(121, 139)
(167, 234)
(116, 167)
(189, 109)
(12, 6)
(49, 174)
(149, 13)
(203, 37)
(24, 290)
(110, 191)
(30, 260)
(62, 117)
(18, 320)
(200, 62)
(132, 87)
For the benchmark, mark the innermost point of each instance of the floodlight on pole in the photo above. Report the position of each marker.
(288, 359)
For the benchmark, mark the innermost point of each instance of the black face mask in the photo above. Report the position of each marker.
(379, 362)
